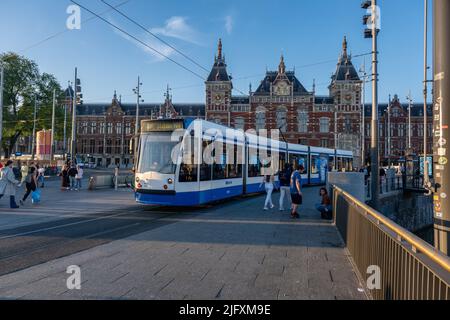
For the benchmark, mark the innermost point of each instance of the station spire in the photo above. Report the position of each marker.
(344, 48)
(282, 66)
(219, 50)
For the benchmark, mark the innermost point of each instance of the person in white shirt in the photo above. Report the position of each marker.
(78, 178)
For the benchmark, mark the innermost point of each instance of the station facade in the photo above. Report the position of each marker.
(280, 102)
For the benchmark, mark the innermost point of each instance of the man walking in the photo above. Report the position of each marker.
(285, 185)
(72, 176)
(296, 191)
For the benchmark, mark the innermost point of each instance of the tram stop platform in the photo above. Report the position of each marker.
(232, 250)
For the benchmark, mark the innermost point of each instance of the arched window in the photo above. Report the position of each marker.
(239, 123)
(324, 125)
(260, 118)
(282, 118)
(303, 119)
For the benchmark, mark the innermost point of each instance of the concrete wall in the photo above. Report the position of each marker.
(352, 182)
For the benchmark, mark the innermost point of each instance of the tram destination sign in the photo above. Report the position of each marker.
(162, 125)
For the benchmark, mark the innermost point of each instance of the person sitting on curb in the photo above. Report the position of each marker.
(325, 206)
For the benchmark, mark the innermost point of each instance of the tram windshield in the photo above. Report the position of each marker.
(156, 154)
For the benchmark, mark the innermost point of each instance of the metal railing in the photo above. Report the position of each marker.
(387, 185)
(410, 268)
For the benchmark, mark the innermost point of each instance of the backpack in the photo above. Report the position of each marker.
(286, 177)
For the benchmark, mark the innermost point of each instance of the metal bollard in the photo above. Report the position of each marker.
(91, 184)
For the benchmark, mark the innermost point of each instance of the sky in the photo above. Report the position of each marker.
(254, 33)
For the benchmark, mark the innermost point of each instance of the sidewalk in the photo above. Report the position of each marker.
(227, 251)
(56, 204)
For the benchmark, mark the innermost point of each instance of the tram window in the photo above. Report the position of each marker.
(157, 153)
(235, 169)
(188, 171)
(253, 163)
(331, 164)
(220, 168)
(282, 160)
(297, 160)
(314, 164)
(205, 168)
(340, 164)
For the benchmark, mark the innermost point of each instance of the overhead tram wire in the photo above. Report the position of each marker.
(154, 35)
(67, 30)
(140, 41)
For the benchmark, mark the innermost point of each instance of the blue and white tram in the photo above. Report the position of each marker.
(165, 176)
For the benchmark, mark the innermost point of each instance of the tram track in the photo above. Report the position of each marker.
(30, 245)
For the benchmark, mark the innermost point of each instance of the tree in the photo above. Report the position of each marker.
(23, 83)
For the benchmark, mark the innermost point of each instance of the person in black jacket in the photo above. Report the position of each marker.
(72, 173)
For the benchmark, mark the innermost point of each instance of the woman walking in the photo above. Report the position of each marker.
(30, 184)
(268, 181)
(79, 177)
(8, 184)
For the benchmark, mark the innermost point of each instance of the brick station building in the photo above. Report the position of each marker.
(280, 102)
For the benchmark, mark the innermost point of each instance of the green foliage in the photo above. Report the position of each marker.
(23, 84)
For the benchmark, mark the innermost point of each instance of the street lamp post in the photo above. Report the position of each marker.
(52, 147)
(441, 21)
(426, 174)
(137, 91)
(372, 32)
(409, 98)
(33, 138)
(2, 75)
(74, 118)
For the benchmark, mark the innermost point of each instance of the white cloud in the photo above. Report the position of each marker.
(177, 27)
(229, 22)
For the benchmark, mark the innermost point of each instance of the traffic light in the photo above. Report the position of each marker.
(369, 19)
(79, 95)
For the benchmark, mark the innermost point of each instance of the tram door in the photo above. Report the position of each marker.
(323, 168)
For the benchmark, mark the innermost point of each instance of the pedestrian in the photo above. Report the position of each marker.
(72, 176)
(268, 181)
(40, 176)
(296, 191)
(8, 184)
(79, 177)
(64, 178)
(24, 170)
(30, 184)
(17, 173)
(285, 185)
(325, 205)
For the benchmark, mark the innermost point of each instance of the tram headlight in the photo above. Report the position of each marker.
(137, 179)
(166, 187)
(170, 181)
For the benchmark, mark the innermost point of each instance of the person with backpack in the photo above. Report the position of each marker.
(285, 185)
(30, 184)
